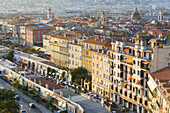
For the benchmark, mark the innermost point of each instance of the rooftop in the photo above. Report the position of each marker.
(162, 74)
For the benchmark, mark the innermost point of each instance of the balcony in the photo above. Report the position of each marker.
(64, 45)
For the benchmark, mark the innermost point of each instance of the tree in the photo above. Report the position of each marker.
(63, 75)
(168, 34)
(16, 45)
(25, 49)
(52, 71)
(33, 50)
(0, 41)
(78, 74)
(37, 52)
(10, 55)
(48, 70)
(7, 101)
(12, 46)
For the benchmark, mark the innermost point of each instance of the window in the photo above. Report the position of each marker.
(38, 37)
(34, 38)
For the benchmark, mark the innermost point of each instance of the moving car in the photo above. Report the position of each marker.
(32, 105)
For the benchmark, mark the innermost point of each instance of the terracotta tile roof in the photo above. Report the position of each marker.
(51, 84)
(162, 74)
(62, 37)
(100, 41)
(35, 18)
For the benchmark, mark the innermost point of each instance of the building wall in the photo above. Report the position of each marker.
(59, 51)
(161, 58)
(34, 36)
(75, 56)
(100, 74)
(46, 44)
(157, 101)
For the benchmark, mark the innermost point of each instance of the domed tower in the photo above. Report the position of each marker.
(160, 16)
(49, 14)
(135, 15)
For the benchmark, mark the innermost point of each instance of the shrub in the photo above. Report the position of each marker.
(47, 105)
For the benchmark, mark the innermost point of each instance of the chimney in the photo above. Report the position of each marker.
(46, 86)
(61, 93)
(69, 97)
(25, 73)
(102, 51)
(53, 89)
(34, 80)
(40, 82)
(98, 37)
(57, 81)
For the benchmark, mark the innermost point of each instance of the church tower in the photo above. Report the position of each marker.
(103, 18)
(49, 14)
(160, 16)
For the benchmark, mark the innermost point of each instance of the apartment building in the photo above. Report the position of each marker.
(100, 73)
(117, 16)
(34, 35)
(93, 43)
(75, 55)
(131, 62)
(159, 91)
(59, 50)
(46, 43)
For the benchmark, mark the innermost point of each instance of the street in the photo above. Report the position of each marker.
(25, 100)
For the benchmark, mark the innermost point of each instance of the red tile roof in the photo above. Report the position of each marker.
(162, 74)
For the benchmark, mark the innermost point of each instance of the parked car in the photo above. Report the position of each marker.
(106, 101)
(23, 111)
(32, 105)
(17, 97)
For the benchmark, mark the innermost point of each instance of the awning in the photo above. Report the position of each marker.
(124, 83)
(22, 63)
(8, 72)
(137, 81)
(129, 77)
(152, 85)
(129, 60)
(146, 72)
(133, 78)
(126, 49)
(8, 78)
(57, 95)
(131, 67)
(49, 57)
(145, 62)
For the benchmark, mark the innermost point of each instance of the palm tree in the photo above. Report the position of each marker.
(7, 101)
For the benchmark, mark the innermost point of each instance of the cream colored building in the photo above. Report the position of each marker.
(100, 73)
(59, 50)
(159, 91)
(75, 55)
(46, 43)
(131, 63)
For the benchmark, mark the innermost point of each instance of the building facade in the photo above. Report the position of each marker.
(100, 73)
(75, 55)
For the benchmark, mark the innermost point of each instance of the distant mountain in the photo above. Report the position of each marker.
(25, 5)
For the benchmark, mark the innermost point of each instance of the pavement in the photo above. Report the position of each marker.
(88, 105)
(25, 100)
